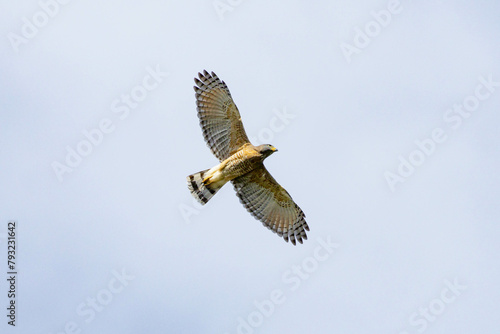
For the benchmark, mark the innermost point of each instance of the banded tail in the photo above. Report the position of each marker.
(200, 190)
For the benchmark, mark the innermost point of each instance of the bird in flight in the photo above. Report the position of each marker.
(241, 163)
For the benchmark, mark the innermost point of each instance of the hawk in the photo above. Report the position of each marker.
(241, 163)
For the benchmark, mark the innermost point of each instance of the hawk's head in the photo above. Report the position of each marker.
(266, 149)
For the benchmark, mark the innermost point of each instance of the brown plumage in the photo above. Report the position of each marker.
(241, 163)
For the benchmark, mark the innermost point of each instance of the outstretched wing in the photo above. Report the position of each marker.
(270, 203)
(219, 117)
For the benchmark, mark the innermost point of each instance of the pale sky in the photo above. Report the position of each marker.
(385, 115)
